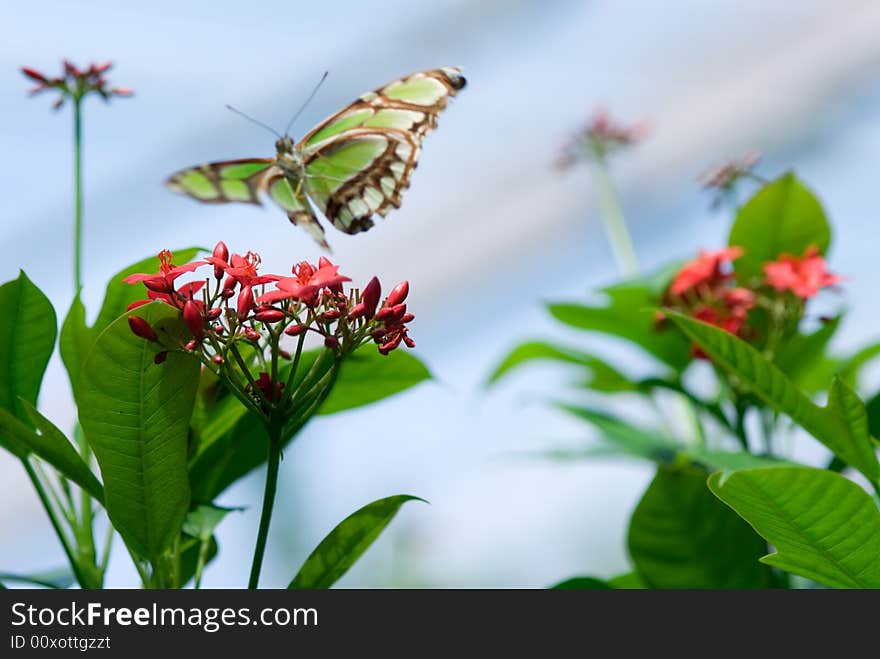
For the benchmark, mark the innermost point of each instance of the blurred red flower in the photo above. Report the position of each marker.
(804, 276)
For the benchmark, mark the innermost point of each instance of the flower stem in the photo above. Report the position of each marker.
(77, 195)
(275, 431)
(613, 220)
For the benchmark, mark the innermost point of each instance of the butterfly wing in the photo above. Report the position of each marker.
(288, 192)
(220, 182)
(360, 160)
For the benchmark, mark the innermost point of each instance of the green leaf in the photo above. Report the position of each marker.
(842, 425)
(823, 526)
(367, 376)
(602, 376)
(55, 579)
(804, 358)
(136, 416)
(680, 537)
(27, 338)
(581, 583)
(873, 409)
(628, 581)
(50, 444)
(627, 438)
(629, 314)
(345, 544)
(730, 460)
(77, 338)
(231, 441)
(201, 522)
(783, 217)
(852, 366)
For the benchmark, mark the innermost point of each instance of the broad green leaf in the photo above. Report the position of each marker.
(27, 338)
(873, 409)
(136, 416)
(842, 425)
(232, 441)
(601, 375)
(200, 524)
(823, 526)
(629, 439)
(680, 537)
(784, 217)
(55, 579)
(77, 338)
(367, 376)
(336, 553)
(581, 583)
(629, 314)
(46, 441)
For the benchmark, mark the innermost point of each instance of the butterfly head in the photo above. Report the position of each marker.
(284, 146)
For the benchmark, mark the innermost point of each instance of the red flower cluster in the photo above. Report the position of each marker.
(706, 288)
(803, 276)
(601, 136)
(75, 83)
(267, 306)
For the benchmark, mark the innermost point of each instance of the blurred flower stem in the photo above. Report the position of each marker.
(613, 219)
(77, 194)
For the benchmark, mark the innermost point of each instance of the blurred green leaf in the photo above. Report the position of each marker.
(27, 338)
(873, 409)
(55, 579)
(629, 314)
(345, 544)
(77, 338)
(627, 581)
(730, 460)
(625, 437)
(581, 583)
(804, 357)
(43, 439)
(367, 377)
(842, 425)
(783, 217)
(601, 376)
(681, 537)
(136, 415)
(823, 526)
(852, 366)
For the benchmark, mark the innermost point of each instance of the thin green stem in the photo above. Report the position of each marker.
(296, 359)
(613, 220)
(59, 531)
(77, 195)
(274, 458)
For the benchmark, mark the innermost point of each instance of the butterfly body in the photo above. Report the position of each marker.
(352, 166)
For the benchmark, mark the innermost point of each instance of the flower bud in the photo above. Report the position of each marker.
(217, 359)
(245, 302)
(358, 310)
(331, 342)
(284, 354)
(214, 314)
(191, 345)
(268, 314)
(227, 293)
(220, 252)
(398, 294)
(330, 315)
(409, 342)
(158, 284)
(370, 297)
(160, 357)
(192, 316)
(142, 328)
(407, 317)
(296, 330)
(251, 334)
(385, 313)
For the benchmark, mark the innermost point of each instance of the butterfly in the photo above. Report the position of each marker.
(353, 165)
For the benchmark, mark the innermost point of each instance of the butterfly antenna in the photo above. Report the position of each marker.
(308, 100)
(254, 121)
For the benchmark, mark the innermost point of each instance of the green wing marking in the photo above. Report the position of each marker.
(220, 182)
(287, 191)
(360, 160)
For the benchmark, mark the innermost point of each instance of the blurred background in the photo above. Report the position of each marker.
(488, 231)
